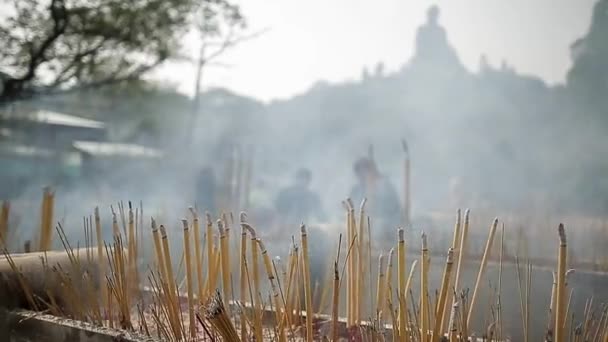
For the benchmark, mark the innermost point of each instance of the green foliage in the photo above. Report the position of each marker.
(57, 45)
(588, 78)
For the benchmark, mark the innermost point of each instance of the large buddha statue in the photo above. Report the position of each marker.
(432, 44)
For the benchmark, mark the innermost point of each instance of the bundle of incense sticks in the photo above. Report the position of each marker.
(271, 308)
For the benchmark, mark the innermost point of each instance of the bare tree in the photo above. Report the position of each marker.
(53, 46)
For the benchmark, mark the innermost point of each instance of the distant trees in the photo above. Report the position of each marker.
(588, 78)
(48, 46)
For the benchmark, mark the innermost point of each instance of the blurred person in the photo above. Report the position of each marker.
(383, 205)
(206, 191)
(297, 203)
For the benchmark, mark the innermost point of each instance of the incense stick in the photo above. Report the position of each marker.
(307, 290)
(484, 261)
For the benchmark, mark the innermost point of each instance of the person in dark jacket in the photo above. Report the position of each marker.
(382, 199)
(297, 203)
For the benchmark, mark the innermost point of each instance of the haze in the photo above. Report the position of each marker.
(334, 40)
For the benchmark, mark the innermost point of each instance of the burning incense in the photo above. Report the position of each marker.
(190, 288)
(46, 223)
(217, 315)
(275, 294)
(450, 294)
(461, 251)
(484, 260)
(224, 251)
(6, 208)
(445, 282)
(380, 288)
(401, 277)
(243, 275)
(560, 335)
(388, 290)
(210, 254)
(424, 289)
(307, 289)
(360, 259)
(257, 312)
(335, 303)
(102, 264)
(172, 291)
(198, 254)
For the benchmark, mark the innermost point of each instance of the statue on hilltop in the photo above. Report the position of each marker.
(432, 46)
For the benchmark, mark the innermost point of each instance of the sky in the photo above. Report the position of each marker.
(333, 40)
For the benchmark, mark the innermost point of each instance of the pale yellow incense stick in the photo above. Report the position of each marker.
(307, 288)
(360, 258)
(484, 261)
(257, 312)
(388, 290)
(210, 254)
(102, 264)
(198, 255)
(6, 208)
(461, 252)
(445, 281)
(225, 261)
(172, 295)
(424, 288)
(243, 276)
(275, 293)
(189, 286)
(560, 335)
(401, 286)
(449, 298)
(380, 288)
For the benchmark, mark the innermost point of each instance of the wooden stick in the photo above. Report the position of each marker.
(210, 254)
(424, 288)
(360, 259)
(307, 288)
(453, 335)
(198, 255)
(132, 257)
(102, 265)
(275, 294)
(380, 288)
(401, 286)
(243, 276)
(335, 303)
(349, 269)
(189, 275)
(461, 252)
(445, 281)
(224, 251)
(388, 290)
(172, 295)
(449, 299)
(257, 316)
(560, 335)
(6, 208)
(484, 261)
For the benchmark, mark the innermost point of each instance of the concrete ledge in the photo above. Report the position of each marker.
(28, 326)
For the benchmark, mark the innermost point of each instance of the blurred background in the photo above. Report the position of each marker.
(265, 106)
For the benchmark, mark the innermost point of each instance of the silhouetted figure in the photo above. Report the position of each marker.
(431, 42)
(297, 203)
(205, 191)
(382, 199)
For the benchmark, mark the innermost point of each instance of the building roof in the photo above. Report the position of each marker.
(25, 150)
(107, 149)
(54, 118)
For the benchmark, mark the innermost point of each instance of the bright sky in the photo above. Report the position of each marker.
(311, 40)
